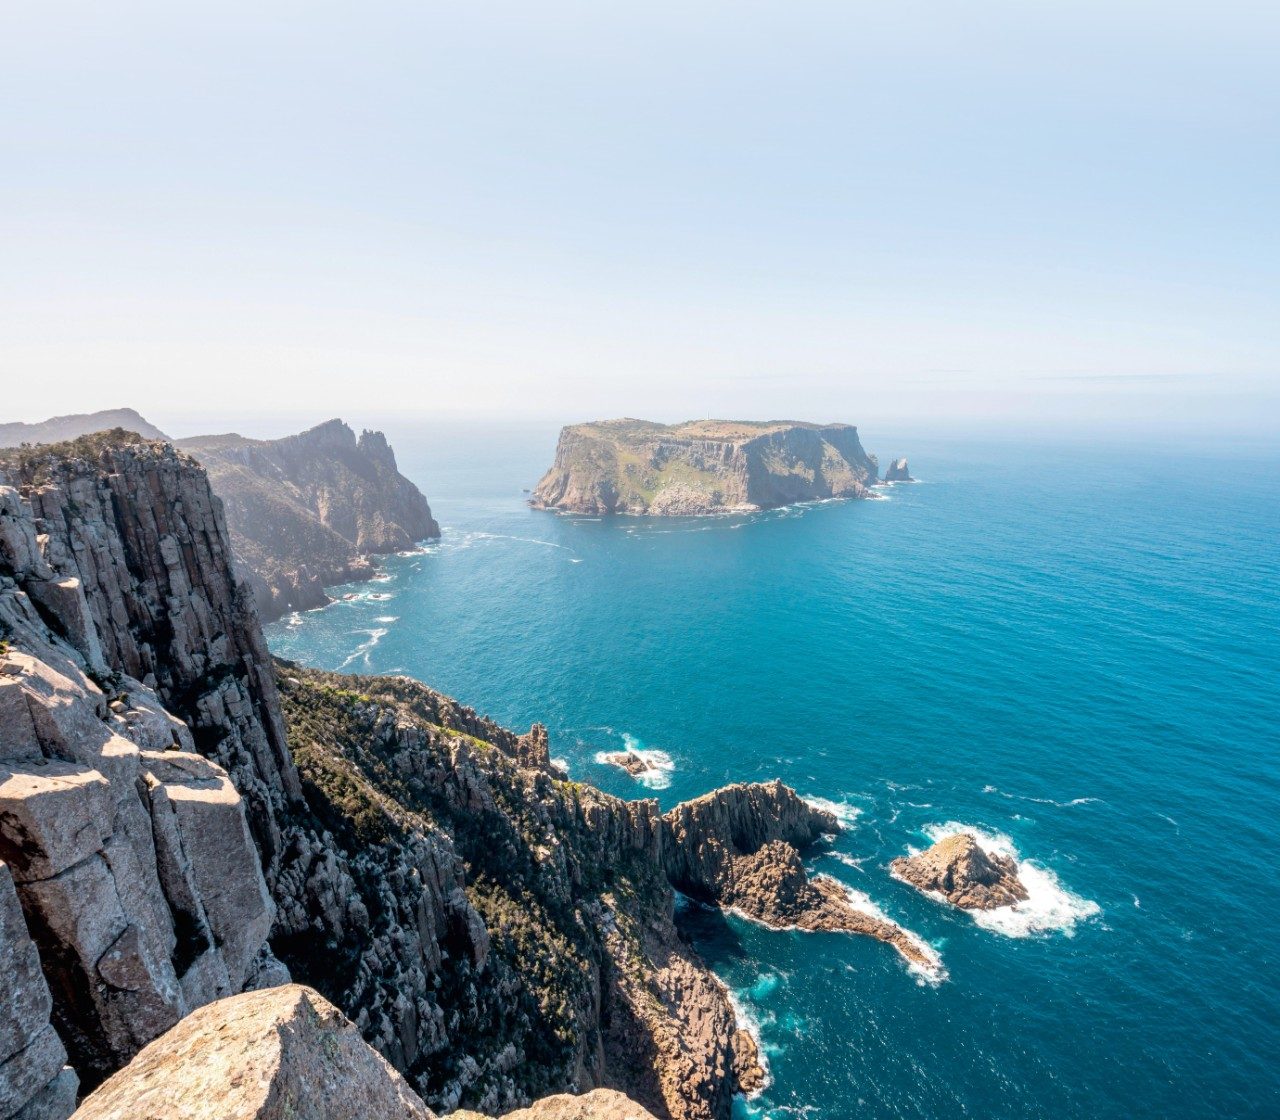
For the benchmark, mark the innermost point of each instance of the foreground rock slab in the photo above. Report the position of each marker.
(966, 876)
(600, 1104)
(281, 1054)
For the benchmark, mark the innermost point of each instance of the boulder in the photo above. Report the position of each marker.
(281, 1054)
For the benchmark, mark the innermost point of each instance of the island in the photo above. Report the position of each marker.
(703, 467)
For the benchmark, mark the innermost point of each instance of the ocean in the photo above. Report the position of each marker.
(1073, 649)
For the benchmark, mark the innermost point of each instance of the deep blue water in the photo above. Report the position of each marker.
(1075, 649)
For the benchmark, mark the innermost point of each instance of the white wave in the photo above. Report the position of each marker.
(658, 765)
(848, 860)
(845, 813)
(294, 619)
(362, 651)
(1043, 800)
(749, 1022)
(929, 971)
(1050, 907)
(387, 618)
(561, 764)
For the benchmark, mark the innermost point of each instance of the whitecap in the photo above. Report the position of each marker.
(848, 860)
(845, 813)
(1050, 907)
(561, 764)
(750, 1022)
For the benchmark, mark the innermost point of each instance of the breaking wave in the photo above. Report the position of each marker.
(1050, 907)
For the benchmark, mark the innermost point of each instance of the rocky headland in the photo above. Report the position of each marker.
(740, 847)
(183, 820)
(957, 868)
(702, 467)
(308, 511)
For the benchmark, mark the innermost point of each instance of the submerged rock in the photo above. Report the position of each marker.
(281, 1054)
(958, 869)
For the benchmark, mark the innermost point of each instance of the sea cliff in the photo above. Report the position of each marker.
(702, 467)
(182, 820)
(307, 511)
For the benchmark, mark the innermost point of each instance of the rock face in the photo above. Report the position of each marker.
(306, 511)
(140, 884)
(957, 868)
(60, 428)
(897, 472)
(281, 1054)
(702, 467)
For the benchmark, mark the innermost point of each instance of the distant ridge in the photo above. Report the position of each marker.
(57, 429)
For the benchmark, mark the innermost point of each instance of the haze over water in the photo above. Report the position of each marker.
(1075, 651)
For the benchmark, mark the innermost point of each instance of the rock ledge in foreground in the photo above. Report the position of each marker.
(281, 1054)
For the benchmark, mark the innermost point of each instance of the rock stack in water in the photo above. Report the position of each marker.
(957, 868)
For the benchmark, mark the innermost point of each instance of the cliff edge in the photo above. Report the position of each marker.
(702, 467)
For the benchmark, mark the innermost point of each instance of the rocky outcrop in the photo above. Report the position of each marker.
(702, 467)
(526, 921)
(307, 511)
(897, 471)
(61, 428)
(739, 847)
(957, 868)
(282, 1054)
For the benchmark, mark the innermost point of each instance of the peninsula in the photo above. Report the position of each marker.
(703, 467)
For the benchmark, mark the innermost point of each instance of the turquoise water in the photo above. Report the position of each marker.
(1075, 650)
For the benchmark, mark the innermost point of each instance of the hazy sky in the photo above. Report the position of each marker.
(1023, 212)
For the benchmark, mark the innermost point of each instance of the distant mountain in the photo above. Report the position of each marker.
(703, 467)
(305, 512)
(61, 428)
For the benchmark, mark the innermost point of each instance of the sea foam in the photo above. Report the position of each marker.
(929, 971)
(845, 813)
(1050, 907)
(659, 765)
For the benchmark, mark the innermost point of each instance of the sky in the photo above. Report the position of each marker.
(1022, 215)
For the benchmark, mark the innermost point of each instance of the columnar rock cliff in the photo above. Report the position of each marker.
(177, 821)
(702, 467)
(306, 511)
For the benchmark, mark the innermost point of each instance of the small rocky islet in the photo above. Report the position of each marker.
(962, 872)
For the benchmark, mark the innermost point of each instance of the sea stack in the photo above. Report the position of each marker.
(958, 869)
(897, 471)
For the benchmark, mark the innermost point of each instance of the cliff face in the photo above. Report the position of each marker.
(306, 511)
(140, 887)
(702, 467)
(496, 932)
